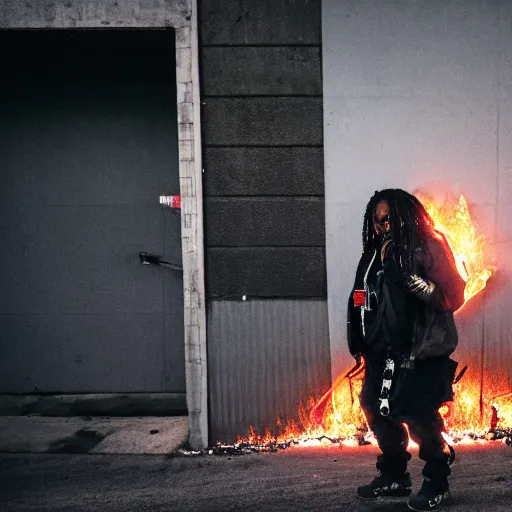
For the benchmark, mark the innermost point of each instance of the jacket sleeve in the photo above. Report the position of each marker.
(440, 268)
(355, 338)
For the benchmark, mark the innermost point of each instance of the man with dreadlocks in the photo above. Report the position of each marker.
(400, 320)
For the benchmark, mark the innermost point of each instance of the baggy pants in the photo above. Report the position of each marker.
(393, 437)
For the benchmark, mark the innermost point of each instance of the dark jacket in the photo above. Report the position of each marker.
(400, 325)
(400, 319)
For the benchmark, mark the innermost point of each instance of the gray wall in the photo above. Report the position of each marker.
(264, 211)
(264, 358)
(262, 140)
(418, 95)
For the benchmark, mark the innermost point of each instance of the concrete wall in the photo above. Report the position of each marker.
(264, 211)
(418, 95)
(96, 14)
(262, 145)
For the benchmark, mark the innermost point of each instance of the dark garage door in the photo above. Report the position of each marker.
(88, 143)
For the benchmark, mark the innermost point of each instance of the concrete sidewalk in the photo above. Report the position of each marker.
(295, 480)
(133, 435)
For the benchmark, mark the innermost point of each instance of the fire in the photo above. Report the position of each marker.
(475, 409)
(470, 249)
(337, 418)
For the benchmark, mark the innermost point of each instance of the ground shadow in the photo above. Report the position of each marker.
(82, 441)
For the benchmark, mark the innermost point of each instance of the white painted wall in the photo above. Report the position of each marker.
(418, 94)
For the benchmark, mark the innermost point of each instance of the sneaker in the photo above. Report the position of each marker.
(430, 496)
(385, 485)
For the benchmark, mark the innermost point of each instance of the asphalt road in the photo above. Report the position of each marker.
(308, 479)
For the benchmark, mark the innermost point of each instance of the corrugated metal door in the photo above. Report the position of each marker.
(88, 143)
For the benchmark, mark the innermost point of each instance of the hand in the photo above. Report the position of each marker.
(421, 288)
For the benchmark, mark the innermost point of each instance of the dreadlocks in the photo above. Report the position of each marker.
(409, 223)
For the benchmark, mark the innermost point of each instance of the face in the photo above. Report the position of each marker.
(381, 222)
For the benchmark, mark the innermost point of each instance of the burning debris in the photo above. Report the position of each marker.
(494, 424)
(245, 447)
(308, 435)
(504, 434)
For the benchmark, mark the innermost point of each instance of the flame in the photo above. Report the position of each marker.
(470, 249)
(476, 408)
(339, 418)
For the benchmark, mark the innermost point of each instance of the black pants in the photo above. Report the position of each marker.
(393, 439)
(425, 429)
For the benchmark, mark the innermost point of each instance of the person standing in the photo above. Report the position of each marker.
(400, 321)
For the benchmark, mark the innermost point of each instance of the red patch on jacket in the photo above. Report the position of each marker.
(359, 297)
